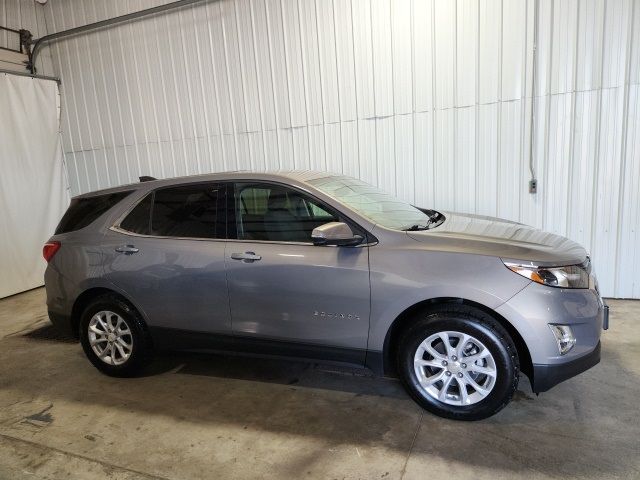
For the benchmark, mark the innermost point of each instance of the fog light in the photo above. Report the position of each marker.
(564, 337)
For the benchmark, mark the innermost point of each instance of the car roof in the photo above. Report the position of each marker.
(288, 176)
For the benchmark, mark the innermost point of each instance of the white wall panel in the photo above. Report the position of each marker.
(467, 46)
(382, 57)
(17, 14)
(367, 132)
(401, 45)
(444, 18)
(326, 32)
(589, 37)
(444, 138)
(404, 157)
(424, 148)
(626, 281)
(430, 99)
(489, 50)
(511, 160)
(465, 165)
(515, 25)
(363, 57)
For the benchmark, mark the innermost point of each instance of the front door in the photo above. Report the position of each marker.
(168, 255)
(282, 287)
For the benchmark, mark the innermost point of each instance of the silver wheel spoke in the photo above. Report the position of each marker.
(121, 350)
(464, 339)
(445, 387)
(481, 390)
(464, 397)
(434, 378)
(105, 333)
(102, 323)
(430, 363)
(434, 353)
(450, 351)
(124, 331)
(96, 330)
(473, 376)
(484, 370)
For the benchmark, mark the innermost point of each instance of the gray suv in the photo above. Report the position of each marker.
(324, 267)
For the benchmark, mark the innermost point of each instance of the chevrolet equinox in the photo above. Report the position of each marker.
(328, 268)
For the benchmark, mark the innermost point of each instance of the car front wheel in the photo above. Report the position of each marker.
(458, 363)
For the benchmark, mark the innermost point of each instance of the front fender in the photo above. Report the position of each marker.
(423, 275)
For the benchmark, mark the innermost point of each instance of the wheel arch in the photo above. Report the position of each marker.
(87, 296)
(404, 319)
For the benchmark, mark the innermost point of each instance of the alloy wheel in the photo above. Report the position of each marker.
(110, 338)
(455, 368)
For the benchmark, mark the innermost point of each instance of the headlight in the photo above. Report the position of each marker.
(564, 337)
(570, 276)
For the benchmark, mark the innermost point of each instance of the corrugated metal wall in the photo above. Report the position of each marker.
(17, 14)
(430, 99)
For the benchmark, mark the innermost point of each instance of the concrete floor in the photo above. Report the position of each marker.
(229, 417)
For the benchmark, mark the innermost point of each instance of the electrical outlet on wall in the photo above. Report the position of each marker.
(533, 186)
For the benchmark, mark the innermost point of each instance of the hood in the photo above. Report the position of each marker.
(480, 235)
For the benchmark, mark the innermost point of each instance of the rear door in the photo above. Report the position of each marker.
(282, 287)
(167, 254)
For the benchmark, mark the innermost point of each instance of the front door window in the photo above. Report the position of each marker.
(269, 212)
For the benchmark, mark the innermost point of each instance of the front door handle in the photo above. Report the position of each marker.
(127, 249)
(246, 257)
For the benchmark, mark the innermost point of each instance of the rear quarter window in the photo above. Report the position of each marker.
(139, 219)
(84, 211)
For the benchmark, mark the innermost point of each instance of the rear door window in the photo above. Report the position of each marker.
(185, 211)
(84, 211)
(194, 211)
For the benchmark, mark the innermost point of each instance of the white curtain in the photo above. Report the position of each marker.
(33, 187)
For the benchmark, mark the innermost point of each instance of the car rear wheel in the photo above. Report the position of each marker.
(114, 337)
(458, 363)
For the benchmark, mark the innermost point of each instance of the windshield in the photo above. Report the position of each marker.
(370, 202)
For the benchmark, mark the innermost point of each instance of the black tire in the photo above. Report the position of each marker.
(142, 350)
(470, 321)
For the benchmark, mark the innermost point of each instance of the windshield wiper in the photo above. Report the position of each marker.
(417, 227)
(433, 219)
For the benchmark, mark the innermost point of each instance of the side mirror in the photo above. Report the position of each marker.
(335, 233)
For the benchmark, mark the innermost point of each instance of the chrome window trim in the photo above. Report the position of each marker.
(117, 229)
(116, 225)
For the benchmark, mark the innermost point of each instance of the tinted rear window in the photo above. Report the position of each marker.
(83, 211)
(139, 219)
(189, 211)
(192, 211)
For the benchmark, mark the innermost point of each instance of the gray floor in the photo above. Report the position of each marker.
(226, 417)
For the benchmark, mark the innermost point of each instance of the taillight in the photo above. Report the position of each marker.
(50, 249)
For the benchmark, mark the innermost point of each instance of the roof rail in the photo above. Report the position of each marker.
(147, 178)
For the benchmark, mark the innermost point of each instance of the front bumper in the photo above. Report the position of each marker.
(547, 376)
(534, 308)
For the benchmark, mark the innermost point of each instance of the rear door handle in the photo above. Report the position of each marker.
(247, 257)
(127, 249)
